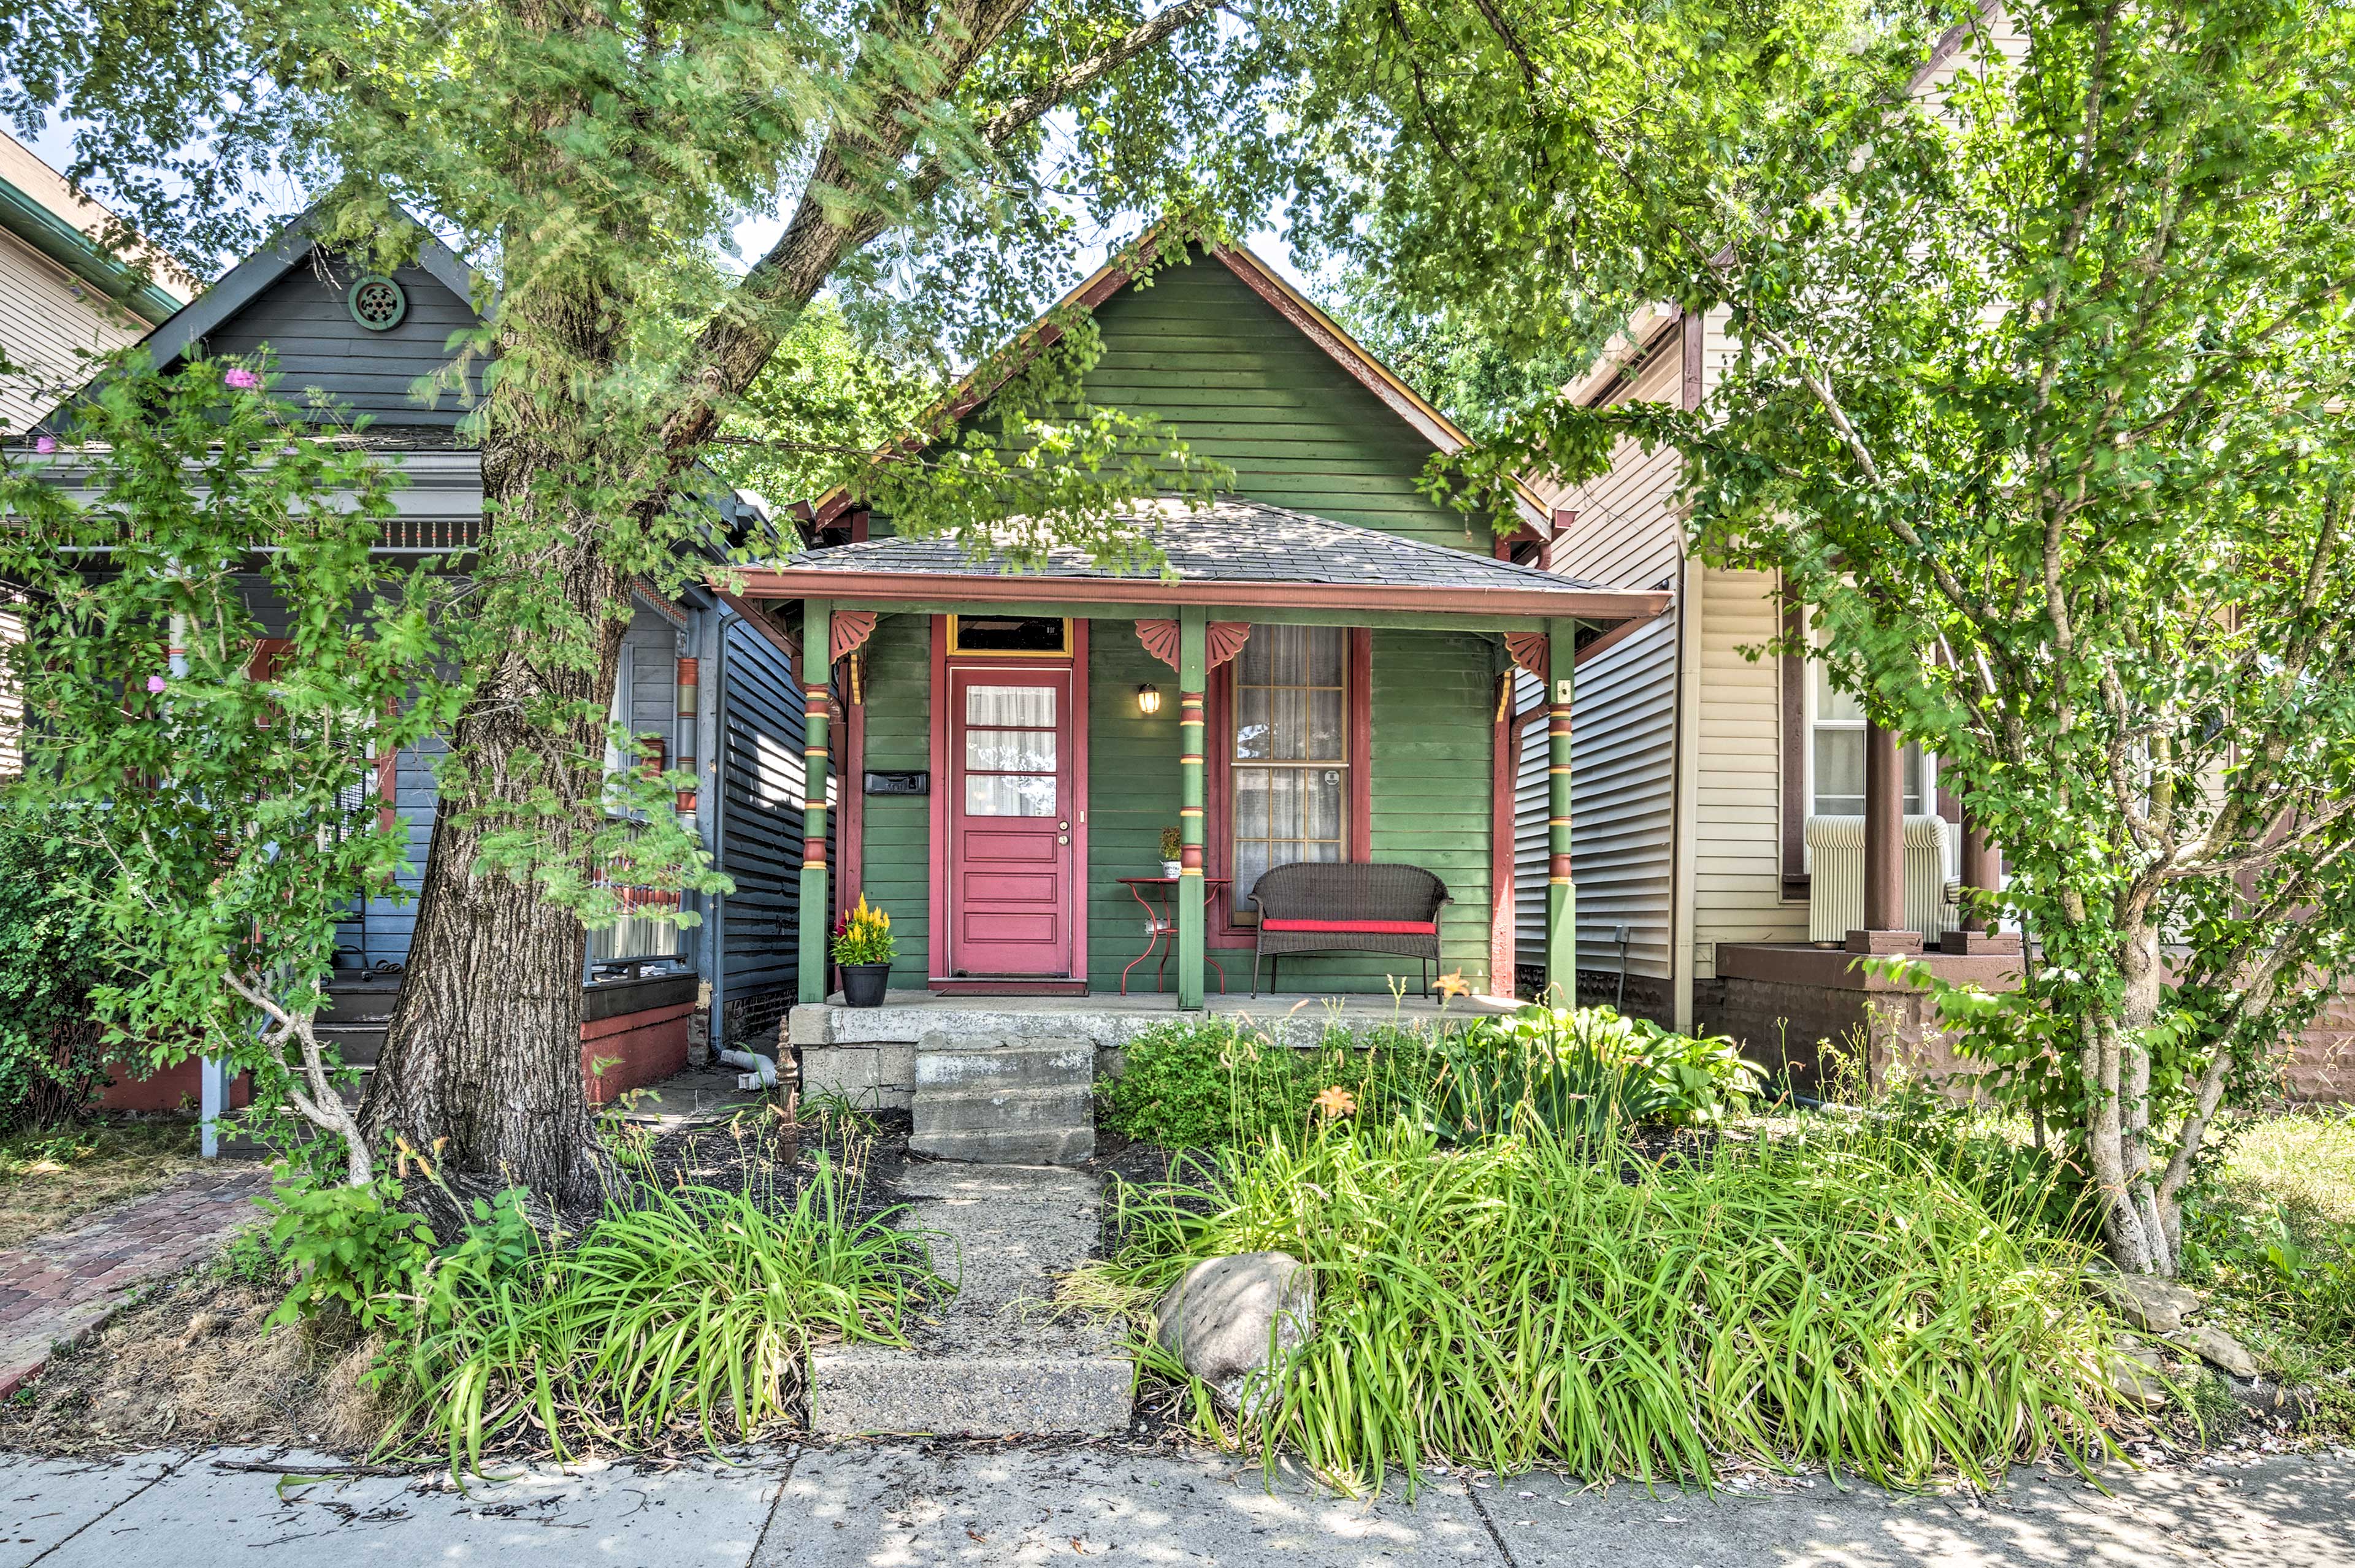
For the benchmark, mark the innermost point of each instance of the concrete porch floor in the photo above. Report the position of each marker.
(868, 1054)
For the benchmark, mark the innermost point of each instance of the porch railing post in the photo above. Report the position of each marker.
(817, 672)
(1193, 671)
(1561, 897)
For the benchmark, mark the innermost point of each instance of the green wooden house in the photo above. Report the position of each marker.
(994, 756)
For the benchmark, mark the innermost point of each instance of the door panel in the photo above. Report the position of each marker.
(1013, 882)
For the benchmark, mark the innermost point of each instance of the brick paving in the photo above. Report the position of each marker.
(61, 1286)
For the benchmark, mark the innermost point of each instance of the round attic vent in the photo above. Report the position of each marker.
(378, 302)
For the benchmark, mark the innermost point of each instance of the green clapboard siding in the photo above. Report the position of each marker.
(895, 871)
(1242, 386)
(1132, 796)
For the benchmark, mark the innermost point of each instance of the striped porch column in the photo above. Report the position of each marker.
(817, 668)
(1562, 898)
(1193, 677)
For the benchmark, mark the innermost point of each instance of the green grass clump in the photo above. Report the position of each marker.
(1534, 1300)
(1221, 1082)
(690, 1309)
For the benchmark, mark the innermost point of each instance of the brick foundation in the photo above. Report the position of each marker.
(1791, 1007)
(2321, 1070)
(758, 1019)
(638, 1048)
(176, 1087)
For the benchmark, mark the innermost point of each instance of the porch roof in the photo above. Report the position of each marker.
(1239, 553)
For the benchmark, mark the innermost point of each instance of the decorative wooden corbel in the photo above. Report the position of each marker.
(1224, 640)
(1529, 651)
(851, 628)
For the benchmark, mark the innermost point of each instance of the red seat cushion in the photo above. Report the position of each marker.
(1359, 927)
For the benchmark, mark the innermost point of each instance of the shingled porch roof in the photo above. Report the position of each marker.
(1231, 553)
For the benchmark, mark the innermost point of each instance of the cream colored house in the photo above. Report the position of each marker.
(62, 296)
(1725, 795)
(1721, 792)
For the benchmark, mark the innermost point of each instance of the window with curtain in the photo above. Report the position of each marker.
(1838, 736)
(1289, 768)
(1010, 750)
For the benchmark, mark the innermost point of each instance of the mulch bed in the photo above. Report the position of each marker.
(771, 1160)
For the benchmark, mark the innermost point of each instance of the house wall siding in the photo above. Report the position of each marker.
(895, 868)
(1244, 388)
(1628, 534)
(1622, 810)
(305, 321)
(1430, 710)
(50, 324)
(1738, 880)
(760, 830)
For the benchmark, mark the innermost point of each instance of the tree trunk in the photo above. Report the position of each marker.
(481, 1071)
(481, 1068)
(2139, 1221)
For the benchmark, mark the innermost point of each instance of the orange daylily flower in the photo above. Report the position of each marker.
(1337, 1102)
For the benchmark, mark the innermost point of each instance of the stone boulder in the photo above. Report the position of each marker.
(2219, 1349)
(1224, 1317)
(2152, 1306)
(2138, 1373)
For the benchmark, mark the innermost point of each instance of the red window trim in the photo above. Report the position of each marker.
(1217, 830)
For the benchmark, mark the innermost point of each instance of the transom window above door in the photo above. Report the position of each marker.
(1010, 636)
(1289, 759)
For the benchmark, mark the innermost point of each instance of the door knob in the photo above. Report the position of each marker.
(1063, 826)
(1062, 839)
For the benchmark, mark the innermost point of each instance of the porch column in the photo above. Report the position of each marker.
(1884, 848)
(816, 671)
(1562, 898)
(1982, 870)
(1193, 677)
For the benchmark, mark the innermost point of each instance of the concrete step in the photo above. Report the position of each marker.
(996, 1359)
(1005, 1099)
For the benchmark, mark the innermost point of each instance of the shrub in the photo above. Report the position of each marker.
(348, 1247)
(1517, 1302)
(52, 1056)
(1221, 1082)
(1580, 1072)
(694, 1306)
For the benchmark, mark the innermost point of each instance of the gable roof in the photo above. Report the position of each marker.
(292, 247)
(40, 208)
(1117, 274)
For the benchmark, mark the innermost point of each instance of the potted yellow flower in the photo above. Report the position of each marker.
(864, 948)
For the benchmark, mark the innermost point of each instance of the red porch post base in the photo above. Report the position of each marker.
(1883, 942)
(1976, 942)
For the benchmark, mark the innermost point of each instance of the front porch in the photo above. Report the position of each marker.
(868, 1054)
(989, 757)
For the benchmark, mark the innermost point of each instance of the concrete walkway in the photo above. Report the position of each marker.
(918, 1505)
(59, 1287)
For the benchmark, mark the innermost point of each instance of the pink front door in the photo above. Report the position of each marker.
(1013, 871)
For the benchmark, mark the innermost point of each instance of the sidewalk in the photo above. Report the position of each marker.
(60, 1286)
(913, 1505)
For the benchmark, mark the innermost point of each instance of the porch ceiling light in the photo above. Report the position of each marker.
(1148, 699)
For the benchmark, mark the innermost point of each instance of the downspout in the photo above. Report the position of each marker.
(1685, 877)
(715, 773)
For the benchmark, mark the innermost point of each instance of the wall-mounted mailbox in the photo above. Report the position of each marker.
(899, 784)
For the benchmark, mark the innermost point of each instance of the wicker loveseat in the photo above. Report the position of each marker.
(1320, 907)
